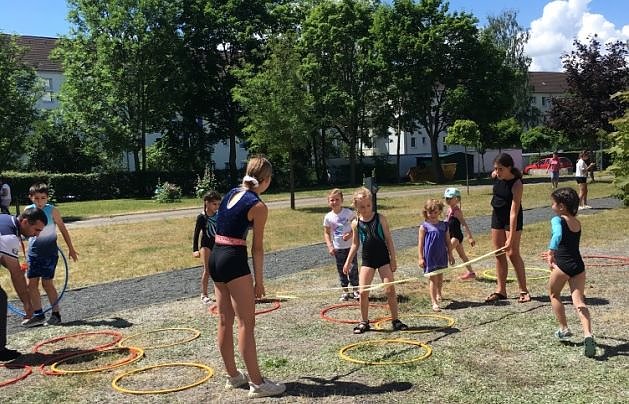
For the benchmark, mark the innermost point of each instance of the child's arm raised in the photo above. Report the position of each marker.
(389, 242)
(56, 216)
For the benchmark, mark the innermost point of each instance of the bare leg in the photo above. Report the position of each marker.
(556, 283)
(387, 276)
(33, 293)
(577, 286)
(51, 292)
(499, 237)
(516, 260)
(365, 277)
(459, 250)
(225, 329)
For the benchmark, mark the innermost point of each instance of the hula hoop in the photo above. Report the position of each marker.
(325, 310)
(196, 334)
(489, 274)
(623, 260)
(136, 354)
(464, 264)
(213, 309)
(117, 337)
(413, 330)
(19, 312)
(27, 371)
(209, 370)
(426, 347)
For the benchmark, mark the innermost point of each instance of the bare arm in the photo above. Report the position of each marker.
(389, 242)
(420, 247)
(258, 214)
(449, 247)
(459, 215)
(327, 236)
(353, 249)
(56, 216)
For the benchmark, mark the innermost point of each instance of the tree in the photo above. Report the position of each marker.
(466, 133)
(506, 133)
(620, 150)
(536, 139)
(19, 91)
(277, 106)
(120, 71)
(339, 69)
(592, 75)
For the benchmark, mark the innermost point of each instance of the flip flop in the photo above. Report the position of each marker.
(494, 297)
(525, 297)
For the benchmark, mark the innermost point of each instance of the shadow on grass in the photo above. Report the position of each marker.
(609, 351)
(590, 301)
(321, 387)
(114, 322)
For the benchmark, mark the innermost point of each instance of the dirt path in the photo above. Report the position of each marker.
(99, 300)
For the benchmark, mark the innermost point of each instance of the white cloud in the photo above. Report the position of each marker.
(562, 21)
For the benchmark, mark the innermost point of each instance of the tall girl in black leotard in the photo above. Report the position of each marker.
(564, 259)
(234, 286)
(506, 226)
(372, 229)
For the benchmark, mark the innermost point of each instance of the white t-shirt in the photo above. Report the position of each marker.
(5, 195)
(581, 169)
(339, 225)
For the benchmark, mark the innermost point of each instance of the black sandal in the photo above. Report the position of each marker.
(362, 327)
(398, 325)
(494, 297)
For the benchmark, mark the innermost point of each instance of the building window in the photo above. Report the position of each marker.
(544, 101)
(445, 147)
(47, 96)
(423, 139)
(532, 100)
(413, 144)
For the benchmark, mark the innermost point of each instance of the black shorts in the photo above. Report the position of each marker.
(500, 219)
(581, 180)
(571, 267)
(228, 262)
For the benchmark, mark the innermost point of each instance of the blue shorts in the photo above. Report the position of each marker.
(554, 176)
(42, 267)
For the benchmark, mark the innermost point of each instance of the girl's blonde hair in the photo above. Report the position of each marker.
(336, 191)
(259, 168)
(432, 205)
(360, 193)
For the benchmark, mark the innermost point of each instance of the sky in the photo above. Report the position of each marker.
(553, 24)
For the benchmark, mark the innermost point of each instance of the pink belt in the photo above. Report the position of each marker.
(224, 240)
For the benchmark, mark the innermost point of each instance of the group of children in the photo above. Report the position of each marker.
(345, 230)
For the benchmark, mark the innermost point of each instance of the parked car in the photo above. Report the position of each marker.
(542, 165)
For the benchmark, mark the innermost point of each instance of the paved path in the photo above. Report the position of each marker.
(79, 305)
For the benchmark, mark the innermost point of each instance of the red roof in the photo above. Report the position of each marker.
(548, 82)
(37, 52)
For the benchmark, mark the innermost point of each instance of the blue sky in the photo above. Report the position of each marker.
(553, 23)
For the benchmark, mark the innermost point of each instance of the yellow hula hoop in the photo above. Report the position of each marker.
(413, 330)
(209, 374)
(490, 274)
(196, 334)
(463, 264)
(138, 351)
(428, 351)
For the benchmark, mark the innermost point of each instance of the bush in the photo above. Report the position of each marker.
(167, 192)
(205, 184)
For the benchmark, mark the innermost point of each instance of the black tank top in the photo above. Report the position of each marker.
(503, 194)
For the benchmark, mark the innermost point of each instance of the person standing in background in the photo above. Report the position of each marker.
(5, 196)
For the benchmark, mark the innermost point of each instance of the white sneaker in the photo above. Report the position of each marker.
(266, 389)
(237, 381)
(344, 297)
(356, 295)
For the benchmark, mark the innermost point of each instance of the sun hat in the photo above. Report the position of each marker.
(452, 193)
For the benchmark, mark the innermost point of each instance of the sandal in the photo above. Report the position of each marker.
(525, 297)
(494, 297)
(398, 325)
(362, 327)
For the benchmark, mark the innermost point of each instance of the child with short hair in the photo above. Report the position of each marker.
(42, 258)
(455, 220)
(372, 229)
(205, 226)
(434, 248)
(564, 258)
(337, 233)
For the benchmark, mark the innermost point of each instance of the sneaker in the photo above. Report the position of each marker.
(563, 334)
(587, 207)
(344, 297)
(206, 300)
(356, 295)
(9, 354)
(35, 320)
(55, 319)
(398, 325)
(468, 276)
(266, 389)
(237, 381)
(589, 347)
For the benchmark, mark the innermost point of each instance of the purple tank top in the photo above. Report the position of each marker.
(435, 249)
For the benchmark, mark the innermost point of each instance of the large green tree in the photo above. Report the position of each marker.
(119, 66)
(339, 69)
(19, 91)
(278, 108)
(592, 75)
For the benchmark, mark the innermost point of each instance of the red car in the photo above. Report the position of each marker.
(542, 165)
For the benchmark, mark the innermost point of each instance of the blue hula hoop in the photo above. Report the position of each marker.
(19, 312)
